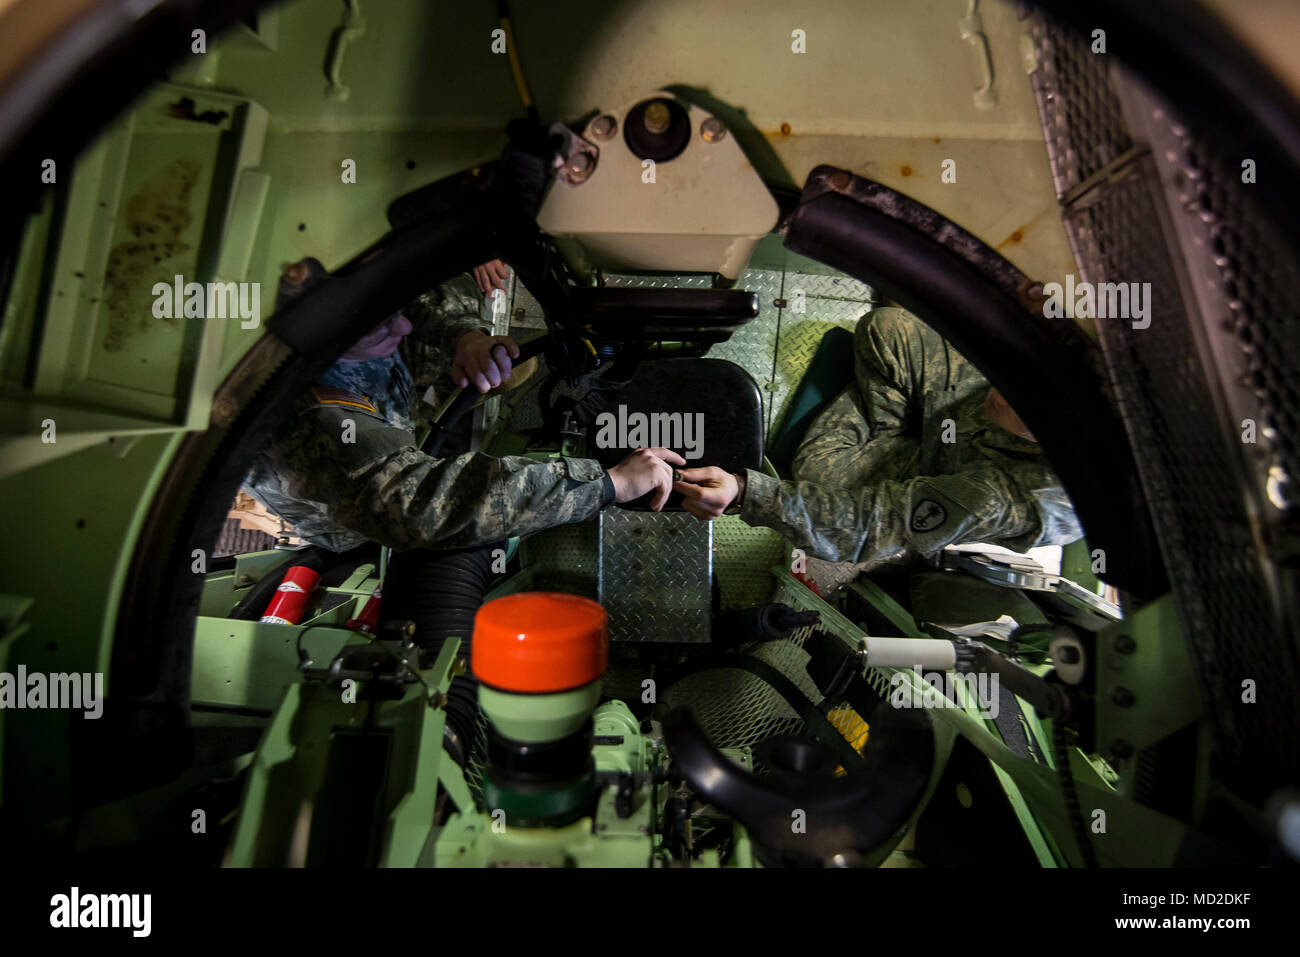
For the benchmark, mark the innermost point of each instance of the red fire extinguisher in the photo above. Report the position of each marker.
(290, 598)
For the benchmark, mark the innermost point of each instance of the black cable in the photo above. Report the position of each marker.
(1060, 754)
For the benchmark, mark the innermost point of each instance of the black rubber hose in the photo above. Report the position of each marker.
(441, 592)
(468, 396)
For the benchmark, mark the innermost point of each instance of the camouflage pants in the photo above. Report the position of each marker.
(838, 449)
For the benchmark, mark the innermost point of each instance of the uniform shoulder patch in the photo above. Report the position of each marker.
(328, 395)
(928, 515)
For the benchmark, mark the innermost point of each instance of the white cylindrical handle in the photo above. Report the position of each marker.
(910, 652)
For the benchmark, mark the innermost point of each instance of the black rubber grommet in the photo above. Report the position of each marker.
(659, 147)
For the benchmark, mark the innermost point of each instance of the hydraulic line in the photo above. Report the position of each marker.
(441, 592)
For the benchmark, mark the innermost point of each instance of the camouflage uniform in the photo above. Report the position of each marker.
(876, 483)
(381, 487)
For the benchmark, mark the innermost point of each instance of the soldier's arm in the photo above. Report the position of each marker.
(916, 518)
(438, 319)
(381, 486)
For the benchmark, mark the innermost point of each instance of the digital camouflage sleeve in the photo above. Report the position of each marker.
(345, 468)
(905, 462)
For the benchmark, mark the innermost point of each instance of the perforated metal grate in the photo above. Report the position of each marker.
(1082, 119)
(1203, 484)
(737, 709)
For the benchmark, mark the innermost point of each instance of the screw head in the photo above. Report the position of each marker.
(1123, 697)
(603, 127)
(712, 130)
(1121, 749)
(1125, 644)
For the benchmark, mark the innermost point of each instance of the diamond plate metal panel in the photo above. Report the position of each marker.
(753, 346)
(816, 286)
(656, 573)
(801, 333)
(661, 282)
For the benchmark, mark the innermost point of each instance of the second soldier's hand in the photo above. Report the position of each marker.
(645, 470)
(706, 492)
(485, 361)
(492, 276)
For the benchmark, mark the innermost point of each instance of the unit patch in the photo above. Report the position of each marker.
(928, 515)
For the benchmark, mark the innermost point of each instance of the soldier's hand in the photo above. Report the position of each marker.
(643, 471)
(491, 274)
(484, 360)
(707, 491)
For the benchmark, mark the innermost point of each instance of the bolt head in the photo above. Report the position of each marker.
(657, 117)
(712, 130)
(603, 127)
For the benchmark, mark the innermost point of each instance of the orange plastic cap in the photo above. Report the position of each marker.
(540, 642)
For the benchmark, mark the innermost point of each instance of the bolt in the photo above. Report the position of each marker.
(712, 130)
(603, 127)
(579, 167)
(1125, 644)
(657, 117)
(460, 666)
(1123, 697)
(223, 411)
(1032, 295)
